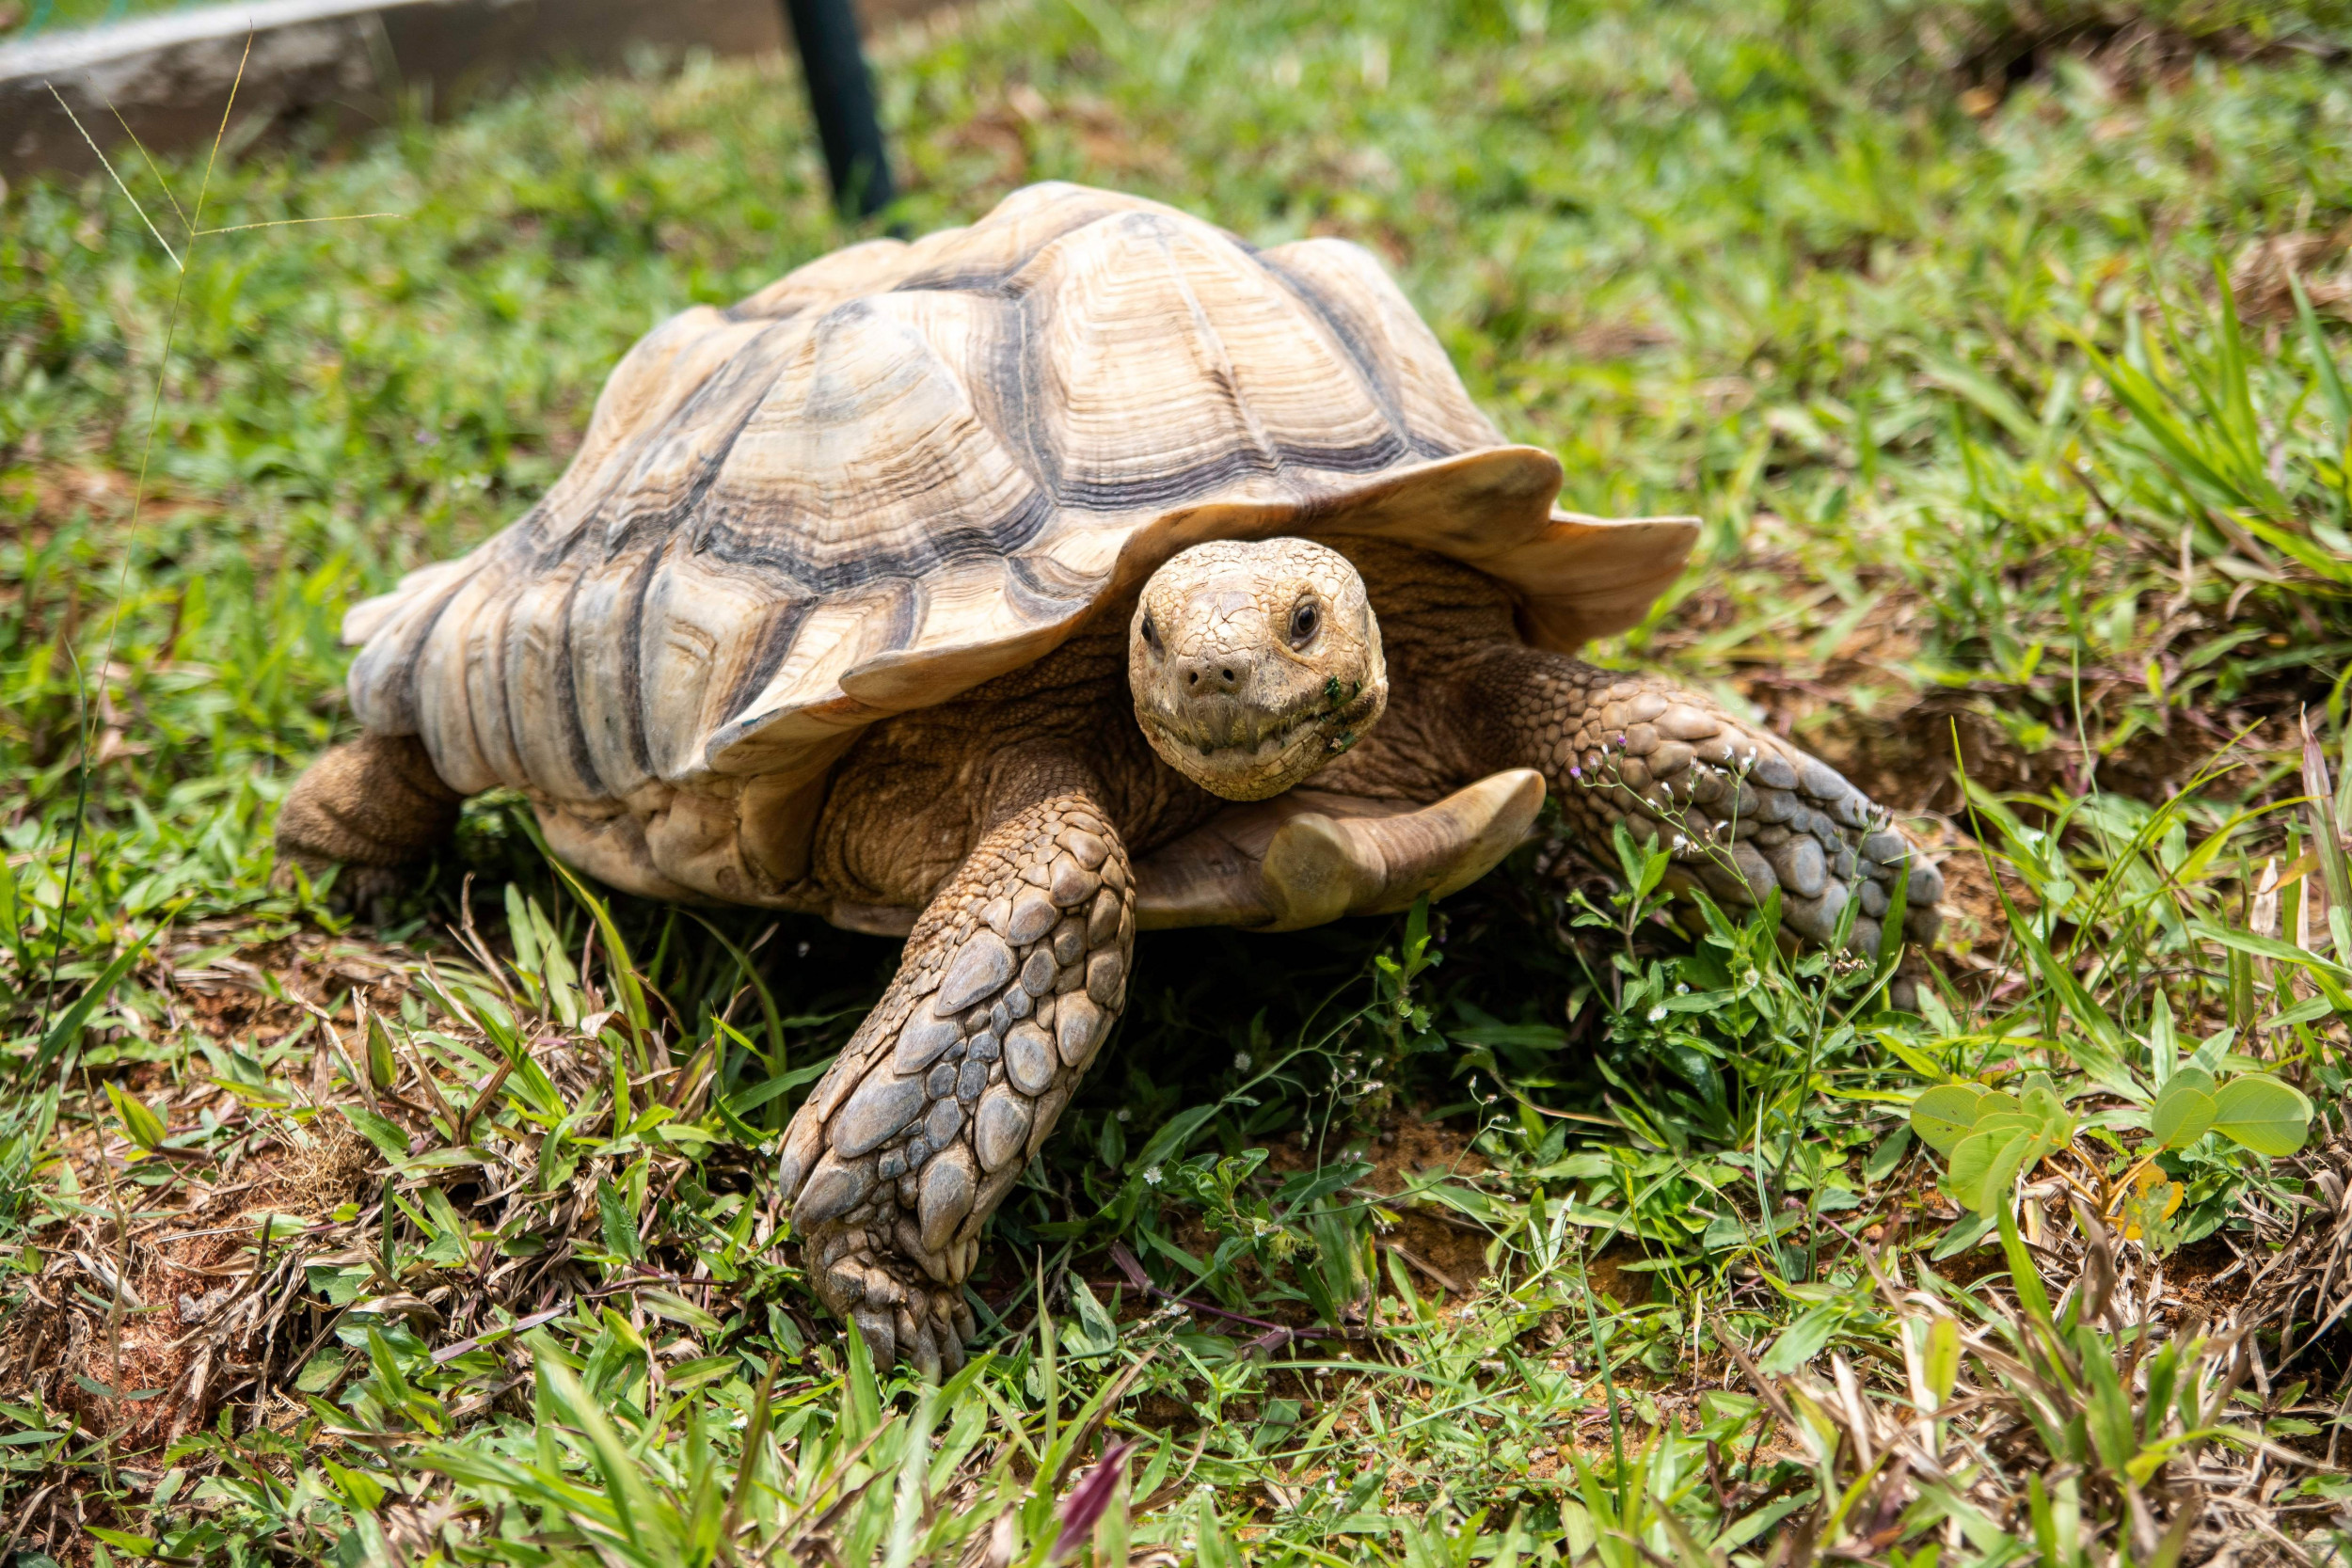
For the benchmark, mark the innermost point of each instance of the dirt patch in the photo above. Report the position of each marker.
(2260, 278)
(1447, 1249)
(153, 1308)
(1858, 708)
(1975, 926)
(142, 1336)
(1987, 53)
(1408, 1153)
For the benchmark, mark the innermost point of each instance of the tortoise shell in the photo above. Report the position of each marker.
(906, 468)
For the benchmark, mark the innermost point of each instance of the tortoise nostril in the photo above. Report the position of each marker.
(1212, 675)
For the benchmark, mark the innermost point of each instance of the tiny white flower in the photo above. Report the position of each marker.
(1658, 1012)
(1124, 1114)
(1680, 989)
(1151, 1177)
(1241, 1061)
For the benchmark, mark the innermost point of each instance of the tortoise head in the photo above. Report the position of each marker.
(1254, 662)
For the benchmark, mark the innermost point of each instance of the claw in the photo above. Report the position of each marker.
(881, 1339)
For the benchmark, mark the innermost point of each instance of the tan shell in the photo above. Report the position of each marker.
(905, 469)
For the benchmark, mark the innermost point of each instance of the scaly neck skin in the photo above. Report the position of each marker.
(907, 803)
(1440, 623)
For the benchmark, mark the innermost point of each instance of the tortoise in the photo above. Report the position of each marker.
(1080, 571)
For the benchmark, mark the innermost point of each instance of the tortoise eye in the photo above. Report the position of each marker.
(1150, 634)
(1305, 620)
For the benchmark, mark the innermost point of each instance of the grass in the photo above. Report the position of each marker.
(2003, 359)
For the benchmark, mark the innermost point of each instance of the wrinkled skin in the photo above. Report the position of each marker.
(1021, 819)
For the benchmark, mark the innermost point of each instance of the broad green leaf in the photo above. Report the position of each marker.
(1803, 1339)
(2044, 1106)
(1887, 1156)
(2053, 1123)
(2209, 1056)
(1944, 1114)
(139, 1545)
(1985, 1164)
(2192, 1076)
(670, 1305)
(2108, 1413)
(2261, 1112)
(617, 1222)
(1962, 1234)
(2163, 1043)
(1942, 1361)
(322, 1371)
(2012, 1122)
(442, 1159)
(2182, 1113)
(2267, 947)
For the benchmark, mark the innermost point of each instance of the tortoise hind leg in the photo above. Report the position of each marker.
(1010, 982)
(372, 807)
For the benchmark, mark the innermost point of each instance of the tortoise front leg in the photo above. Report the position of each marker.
(1752, 812)
(1011, 979)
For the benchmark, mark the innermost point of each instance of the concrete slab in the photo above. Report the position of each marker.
(168, 76)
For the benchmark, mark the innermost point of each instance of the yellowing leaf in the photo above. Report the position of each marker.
(2155, 1199)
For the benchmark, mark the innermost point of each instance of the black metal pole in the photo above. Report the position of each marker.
(841, 96)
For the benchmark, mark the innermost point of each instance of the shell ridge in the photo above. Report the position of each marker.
(397, 668)
(1001, 384)
(667, 370)
(499, 684)
(693, 510)
(632, 643)
(1038, 599)
(625, 524)
(568, 709)
(1357, 298)
(944, 542)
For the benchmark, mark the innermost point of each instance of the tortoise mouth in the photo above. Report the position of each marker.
(1243, 751)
